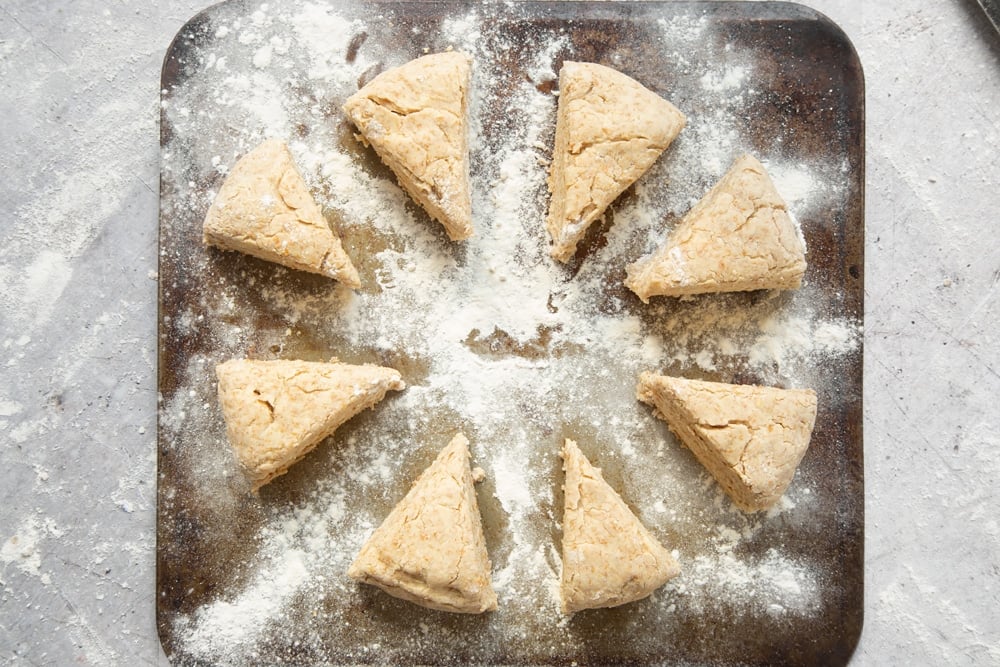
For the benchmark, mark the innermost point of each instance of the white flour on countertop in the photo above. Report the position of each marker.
(507, 345)
(23, 548)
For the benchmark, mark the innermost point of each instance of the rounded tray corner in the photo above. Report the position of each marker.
(834, 32)
(169, 73)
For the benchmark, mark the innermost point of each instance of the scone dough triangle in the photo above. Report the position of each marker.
(738, 237)
(750, 438)
(276, 412)
(608, 556)
(430, 550)
(264, 209)
(609, 131)
(416, 118)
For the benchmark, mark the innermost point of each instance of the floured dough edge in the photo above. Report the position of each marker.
(452, 209)
(312, 246)
(259, 472)
(385, 561)
(756, 488)
(696, 259)
(566, 230)
(640, 564)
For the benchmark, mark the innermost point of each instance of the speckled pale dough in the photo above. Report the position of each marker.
(264, 209)
(430, 550)
(276, 412)
(608, 556)
(609, 131)
(416, 118)
(738, 237)
(750, 438)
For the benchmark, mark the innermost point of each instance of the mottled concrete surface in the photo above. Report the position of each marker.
(79, 158)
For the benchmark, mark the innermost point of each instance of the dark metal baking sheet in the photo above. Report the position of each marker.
(992, 9)
(810, 95)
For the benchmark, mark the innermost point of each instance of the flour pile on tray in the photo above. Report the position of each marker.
(493, 338)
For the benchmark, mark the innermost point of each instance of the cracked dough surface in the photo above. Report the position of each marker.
(609, 130)
(750, 438)
(416, 118)
(276, 412)
(738, 237)
(430, 550)
(264, 209)
(608, 557)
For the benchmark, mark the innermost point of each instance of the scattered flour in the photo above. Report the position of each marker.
(242, 620)
(731, 78)
(773, 584)
(22, 549)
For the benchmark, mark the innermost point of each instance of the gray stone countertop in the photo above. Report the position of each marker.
(79, 159)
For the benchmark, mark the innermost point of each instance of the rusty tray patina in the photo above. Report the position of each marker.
(808, 101)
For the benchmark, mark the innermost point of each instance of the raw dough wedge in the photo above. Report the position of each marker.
(416, 118)
(276, 412)
(430, 549)
(609, 131)
(608, 556)
(750, 438)
(739, 237)
(264, 209)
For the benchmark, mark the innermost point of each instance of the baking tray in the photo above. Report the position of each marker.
(259, 579)
(992, 10)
